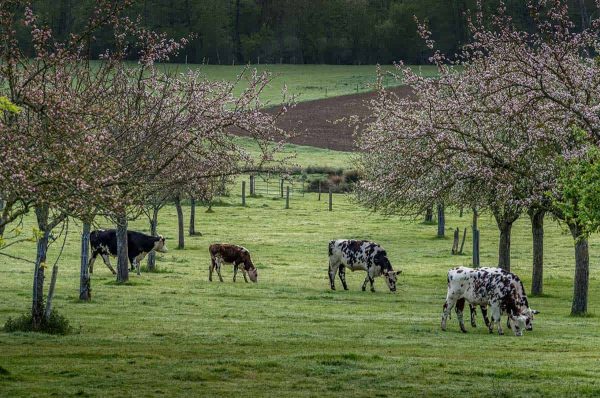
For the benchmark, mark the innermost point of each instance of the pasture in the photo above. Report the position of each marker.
(307, 82)
(172, 333)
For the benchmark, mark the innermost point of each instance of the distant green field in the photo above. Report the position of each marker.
(175, 334)
(308, 82)
(303, 156)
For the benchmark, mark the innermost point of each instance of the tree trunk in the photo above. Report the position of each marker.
(51, 290)
(441, 219)
(537, 228)
(428, 214)
(153, 231)
(2, 225)
(85, 282)
(181, 244)
(475, 238)
(37, 307)
(122, 254)
(192, 228)
(582, 265)
(504, 219)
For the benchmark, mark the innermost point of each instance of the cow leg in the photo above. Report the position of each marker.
(235, 270)
(448, 305)
(332, 270)
(107, 262)
(211, 267)
(496, 319)
(371, 280)
(473, 315)
(342, 275)
(244, 274)
(219, 263)
(460, 306)
(91, 262)
(485, 315)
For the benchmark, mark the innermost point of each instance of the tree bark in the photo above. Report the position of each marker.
(37, 307)
(582, 265)
(122, 253)
(51, 290)
(2, 225)
(151, 264)
(537, 229)
(192, 228)
(428, 213)
(441, 220)
(85, 282)
(181, 244)
(504, 219)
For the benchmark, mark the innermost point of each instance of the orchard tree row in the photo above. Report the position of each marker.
(111, 140)
(511, 127)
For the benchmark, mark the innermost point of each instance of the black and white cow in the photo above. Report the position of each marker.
(500, 289)
(104, 243)
(520, 288)
(360, 255)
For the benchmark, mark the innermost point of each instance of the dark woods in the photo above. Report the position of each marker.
(298, 31)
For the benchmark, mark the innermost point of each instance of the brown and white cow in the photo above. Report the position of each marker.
(360, 255)
(496, 287)
(231, 254)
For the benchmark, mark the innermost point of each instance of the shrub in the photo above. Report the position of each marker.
(56, 324)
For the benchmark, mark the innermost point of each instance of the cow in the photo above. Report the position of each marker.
(519, 286)
(104, 243)
(231, 254)
(360, 255)
(496, 287)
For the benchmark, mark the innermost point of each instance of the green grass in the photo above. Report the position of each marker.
(308, 82)
(175, 334)
(302, 156)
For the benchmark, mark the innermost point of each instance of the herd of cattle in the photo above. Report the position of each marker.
(501, 290)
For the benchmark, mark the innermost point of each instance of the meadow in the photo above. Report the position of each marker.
(307, 82)
(173, 333)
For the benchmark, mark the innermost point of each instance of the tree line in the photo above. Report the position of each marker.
(296, 31)
(515, 132)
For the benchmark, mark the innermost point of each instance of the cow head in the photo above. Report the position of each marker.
(529, 313)
(160, 245)
(390, 279)
(252, 273)
(517, 323)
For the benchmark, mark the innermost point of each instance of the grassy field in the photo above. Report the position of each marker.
(308, 82)
(173, 333)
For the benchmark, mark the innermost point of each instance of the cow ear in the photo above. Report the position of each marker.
(398, 272)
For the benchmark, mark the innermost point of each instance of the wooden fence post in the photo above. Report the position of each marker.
(462, 245)
(243, 193)
(455, 242)
(281, 187)
(251, 185)
(287, 197)
(330, 200)
(319, 191)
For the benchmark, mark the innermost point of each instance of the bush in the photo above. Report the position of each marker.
(56, 324)
(339, 181)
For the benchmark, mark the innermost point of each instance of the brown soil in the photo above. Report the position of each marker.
(313, 121)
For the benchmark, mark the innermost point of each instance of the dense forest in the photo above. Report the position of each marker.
(298, 31)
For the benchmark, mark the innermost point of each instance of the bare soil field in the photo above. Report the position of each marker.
(313, 121)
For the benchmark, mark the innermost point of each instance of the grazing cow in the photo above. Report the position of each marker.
(520, 288)
(360, 255)
(231, 254)
(500, 289)
(104, 243)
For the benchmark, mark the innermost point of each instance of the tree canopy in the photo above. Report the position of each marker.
(298, 31)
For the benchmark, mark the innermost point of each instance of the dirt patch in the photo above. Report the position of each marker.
(313, 120)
